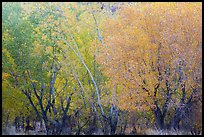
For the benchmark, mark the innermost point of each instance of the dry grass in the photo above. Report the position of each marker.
(166, 132)
(11, 131)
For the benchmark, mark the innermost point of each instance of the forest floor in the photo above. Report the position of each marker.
(12, 131)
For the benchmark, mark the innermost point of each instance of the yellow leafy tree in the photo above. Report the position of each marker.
(154, 55)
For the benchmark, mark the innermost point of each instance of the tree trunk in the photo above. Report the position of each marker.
(159, 117)
(23, 121)
(113, 120)
(17, 123)
(182, 108)
(45, 121)
(176, 119)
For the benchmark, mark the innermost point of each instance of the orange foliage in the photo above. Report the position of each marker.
(148, 36)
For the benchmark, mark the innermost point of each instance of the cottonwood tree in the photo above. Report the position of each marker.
(154, 57)
(49, 73)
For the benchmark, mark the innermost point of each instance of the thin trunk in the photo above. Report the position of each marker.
(125, 126)
(90, 74)
(113, 119)
(65, 111)
(98, 31)
(23, 120)
(32, 104)
(79, 82)
(99, 118)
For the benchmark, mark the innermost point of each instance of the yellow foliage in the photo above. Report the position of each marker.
(5, 76)
(145, 37)
(34, 80)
